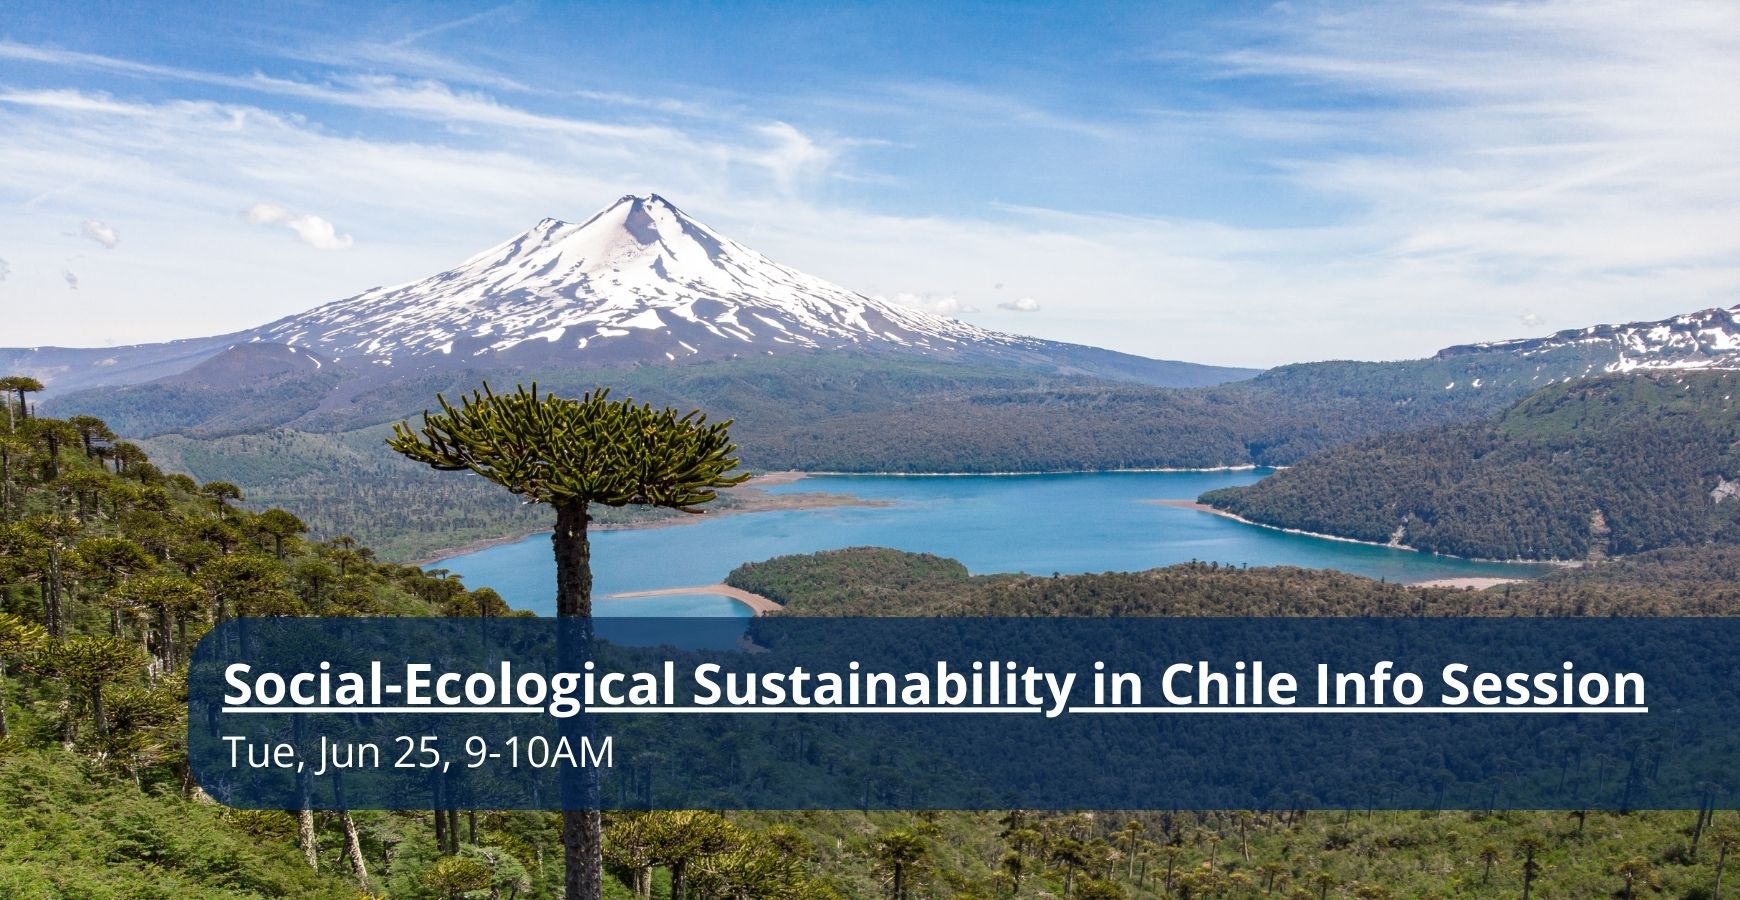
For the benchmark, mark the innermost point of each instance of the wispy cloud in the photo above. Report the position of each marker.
(1563, 137)
(71, 280)
(1442, 169)
(310, 229)
(942, 305)
(1025, 304)
(101, 232)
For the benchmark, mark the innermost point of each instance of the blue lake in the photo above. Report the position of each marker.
(1038, 524)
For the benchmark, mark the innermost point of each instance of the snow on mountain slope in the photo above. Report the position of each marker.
(638, 281)
(1708, 339)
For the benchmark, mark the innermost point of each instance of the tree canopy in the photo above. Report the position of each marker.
(563, 451)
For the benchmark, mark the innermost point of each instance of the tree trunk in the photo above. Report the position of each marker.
(165, 642)
(305, 837)
(677, 871)
(582, 824)
(573, 562)
(48, 585)
(1721, 861)
(352, 840)
(359, 866)
(3, 731)
(583, 856)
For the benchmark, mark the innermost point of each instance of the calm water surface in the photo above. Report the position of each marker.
(1037, 524)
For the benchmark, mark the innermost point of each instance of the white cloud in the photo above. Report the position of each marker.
(310, 229)
(943, 305)
(792, 155)
(5, 269)
(1573, 160)
(101, 232)
(1025, 304)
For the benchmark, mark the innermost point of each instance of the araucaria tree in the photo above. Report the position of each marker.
(570, 454)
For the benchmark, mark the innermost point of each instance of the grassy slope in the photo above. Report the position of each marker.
(73, 830)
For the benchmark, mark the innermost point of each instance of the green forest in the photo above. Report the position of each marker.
(110, 571)
(1583, 469)
(313, 442)
(111, 568)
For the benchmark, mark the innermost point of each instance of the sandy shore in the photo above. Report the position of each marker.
(1203, 507)
(1191, 504)
(768, 479)
(757, 604)
(1478, 584)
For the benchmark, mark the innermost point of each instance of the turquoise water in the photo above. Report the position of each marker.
(1037, 524)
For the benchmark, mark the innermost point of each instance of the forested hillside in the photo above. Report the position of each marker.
(110, 569)
(1606, 466)
(863, 581)
(322, 456)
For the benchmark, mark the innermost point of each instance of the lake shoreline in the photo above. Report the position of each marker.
(1429, 582)
(1105, 523)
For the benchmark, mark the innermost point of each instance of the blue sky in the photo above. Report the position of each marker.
(1233, 183)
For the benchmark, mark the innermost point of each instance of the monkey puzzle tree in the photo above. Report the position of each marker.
(52, 434)
(221, 493)
(20, 385)
(18, 637)
(1726, 841)
(570, 454)
(278, 525)
(676, 840)
(898, 853)
(1530, 845)
(91, 430)
(13, 450)
(90, 662)
(126, 455)
(171, 599)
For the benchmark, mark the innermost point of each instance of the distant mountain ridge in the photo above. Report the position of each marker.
(640, 282)
(1707, 339)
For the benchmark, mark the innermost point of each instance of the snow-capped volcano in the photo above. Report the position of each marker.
(639, 281)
